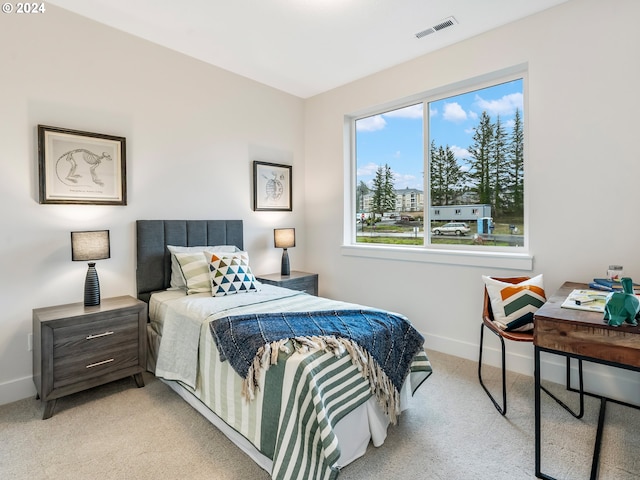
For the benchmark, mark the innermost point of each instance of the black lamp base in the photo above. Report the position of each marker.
(91, 287)
(285, 269)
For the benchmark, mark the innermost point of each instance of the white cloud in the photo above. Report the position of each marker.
(368, 169)
(371, 124)
(406, 180)
(377, 122)
(433, 112)
(503, 106)
(508, 125)
(459, 152)
(454, 112)
(413, 111)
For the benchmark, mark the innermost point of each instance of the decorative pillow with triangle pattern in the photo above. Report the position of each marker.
(231, 274)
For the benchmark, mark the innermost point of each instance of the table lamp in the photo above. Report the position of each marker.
(89, 246)
(284, 238)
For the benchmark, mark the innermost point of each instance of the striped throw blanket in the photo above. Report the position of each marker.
(381, 344)
(324, 385)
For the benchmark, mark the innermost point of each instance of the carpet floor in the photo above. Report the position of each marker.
(451, 431)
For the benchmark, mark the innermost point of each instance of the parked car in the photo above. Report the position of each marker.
(458, 228)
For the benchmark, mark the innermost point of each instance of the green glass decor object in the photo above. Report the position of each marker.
(622, 306)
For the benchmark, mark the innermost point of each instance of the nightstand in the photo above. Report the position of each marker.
(77, 347)
(304, 281)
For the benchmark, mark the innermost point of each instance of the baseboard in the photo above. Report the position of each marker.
(519, 359)
(17, 390)
(613, 382)
(616, 383)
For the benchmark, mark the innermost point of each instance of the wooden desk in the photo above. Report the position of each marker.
(585, 336)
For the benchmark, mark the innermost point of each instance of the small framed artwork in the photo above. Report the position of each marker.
(81, 167)
(271, 186)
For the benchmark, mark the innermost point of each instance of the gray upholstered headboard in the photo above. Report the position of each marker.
(153, 267)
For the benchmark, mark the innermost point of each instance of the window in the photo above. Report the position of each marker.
(460, 153)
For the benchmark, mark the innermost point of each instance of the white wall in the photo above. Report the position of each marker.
(192, 132)
(582, 167)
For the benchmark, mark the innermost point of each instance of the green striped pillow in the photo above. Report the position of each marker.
(177, 278)
(195, 270)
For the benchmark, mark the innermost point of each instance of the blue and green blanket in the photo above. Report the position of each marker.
(382, 344)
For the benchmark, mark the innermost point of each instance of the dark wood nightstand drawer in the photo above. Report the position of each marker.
(302, 284)
(89, 337)
(73, 369)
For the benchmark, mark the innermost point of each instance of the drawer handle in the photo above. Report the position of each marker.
(99, 335)
(99, 363)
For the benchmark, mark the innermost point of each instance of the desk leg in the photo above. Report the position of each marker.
(595, 462)
(580, 413)
(536, 375)
(538, 420)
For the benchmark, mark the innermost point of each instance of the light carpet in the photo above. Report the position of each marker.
(451, 431)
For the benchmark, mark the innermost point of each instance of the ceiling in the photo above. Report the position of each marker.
(303, 47)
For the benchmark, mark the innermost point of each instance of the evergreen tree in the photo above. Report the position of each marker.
(390, 198)
(499, 169)
(361, 191)
(455, 178)
(480, 163)
(447, 179)
(437, 176)
(515, 153)
(384, 196)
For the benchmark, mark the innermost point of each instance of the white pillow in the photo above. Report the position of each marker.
(177, 278)
(513, 304)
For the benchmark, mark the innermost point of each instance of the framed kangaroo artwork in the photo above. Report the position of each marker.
(81, 167)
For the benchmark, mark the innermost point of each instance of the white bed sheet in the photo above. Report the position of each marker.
(172, 312)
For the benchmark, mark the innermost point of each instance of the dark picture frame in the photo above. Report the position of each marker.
(83, 168)
(272, 187)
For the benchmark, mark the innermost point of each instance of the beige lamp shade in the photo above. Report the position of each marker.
(284, 237)
(86, 246)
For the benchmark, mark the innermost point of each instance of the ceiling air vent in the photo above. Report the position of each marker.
(447, 22)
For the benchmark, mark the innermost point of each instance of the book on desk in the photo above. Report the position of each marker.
(589, 300)
(607, 285)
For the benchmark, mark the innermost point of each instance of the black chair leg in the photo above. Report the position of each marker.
(502, 409)
(580, 390)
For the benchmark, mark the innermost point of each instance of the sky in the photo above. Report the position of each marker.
(396, 138)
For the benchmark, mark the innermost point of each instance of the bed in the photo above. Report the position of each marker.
(302, 405)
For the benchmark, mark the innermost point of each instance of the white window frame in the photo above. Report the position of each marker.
(516, 258)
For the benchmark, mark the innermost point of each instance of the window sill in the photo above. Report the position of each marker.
(493, 259)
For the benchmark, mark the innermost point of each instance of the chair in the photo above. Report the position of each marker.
(487, 321)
